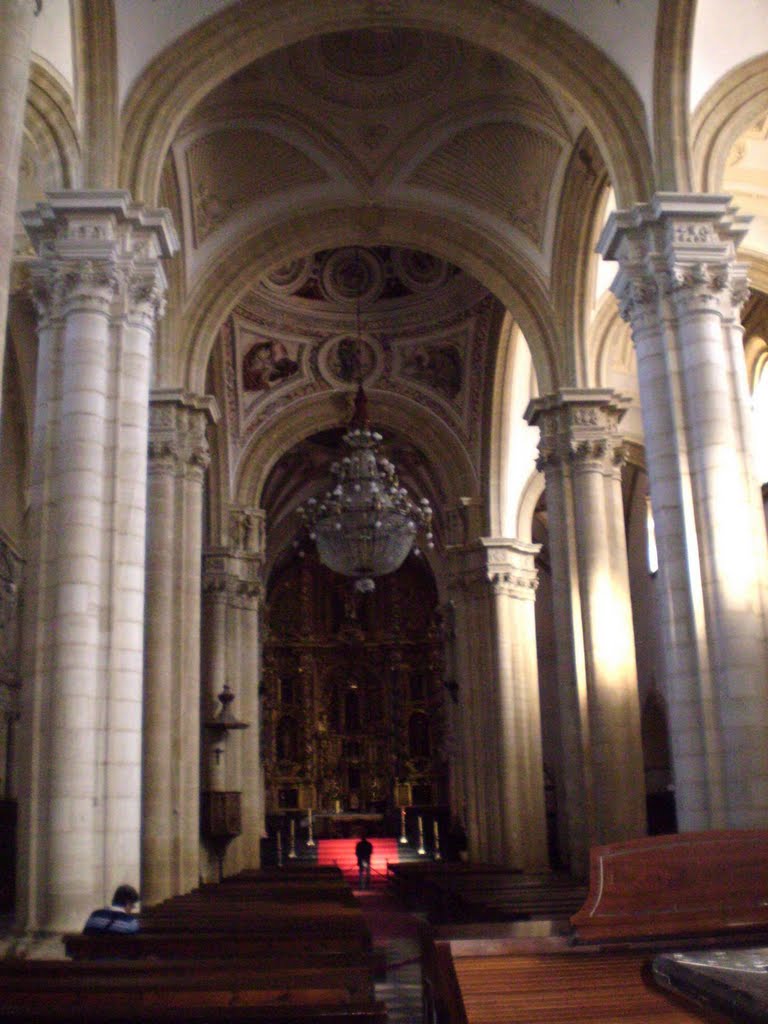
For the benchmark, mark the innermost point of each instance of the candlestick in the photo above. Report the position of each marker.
(421, 849)
(292, 847)
(436, 832)
(403, 836)
(310, 838)
(279, 848)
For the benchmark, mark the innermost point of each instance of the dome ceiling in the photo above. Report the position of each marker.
(360, 117)
(421, 333)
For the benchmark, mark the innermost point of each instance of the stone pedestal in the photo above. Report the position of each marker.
(681, 289)
(597, 677)
(178, 456)
(98, 288)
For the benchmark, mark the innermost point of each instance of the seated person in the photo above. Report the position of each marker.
(120, 918)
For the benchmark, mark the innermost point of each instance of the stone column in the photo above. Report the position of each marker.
(454, 745)
(468, 590)
(232, 654)
(597, 677)
(98, 288)
(15, 41)
(178, 457)
(681, 289)
(512, 576)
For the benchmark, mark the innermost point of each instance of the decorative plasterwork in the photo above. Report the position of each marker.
(421, 334)
(505, 169)
(233, 167)
(376, 68)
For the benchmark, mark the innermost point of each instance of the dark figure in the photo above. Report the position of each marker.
(364, 852)
(120, 918)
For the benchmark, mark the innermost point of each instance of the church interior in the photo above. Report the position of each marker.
(503, 264)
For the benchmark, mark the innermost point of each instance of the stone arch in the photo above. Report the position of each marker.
(734, 103)
(513, 282)
(532, 492)
(449, 467)
(182, 75)
(508, 430)
(453, 472)
(49, 120)
(671, 74)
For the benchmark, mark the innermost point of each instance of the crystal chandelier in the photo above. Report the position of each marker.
(367, 523)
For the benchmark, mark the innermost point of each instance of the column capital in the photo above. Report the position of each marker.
(178, 421)
(510, 567)
(579, 426)
(99, 252)
(678, 247)
(235, 576)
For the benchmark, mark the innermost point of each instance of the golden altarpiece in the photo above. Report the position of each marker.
(353, 699)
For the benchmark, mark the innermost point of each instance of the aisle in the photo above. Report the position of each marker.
(396, 931)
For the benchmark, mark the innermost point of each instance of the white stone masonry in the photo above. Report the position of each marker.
(98, 287)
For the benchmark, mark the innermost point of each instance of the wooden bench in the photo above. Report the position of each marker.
(689, 891)
(348, 975)
(283, 961)
(218, 1011)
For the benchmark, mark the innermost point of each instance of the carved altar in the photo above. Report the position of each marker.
(352, 692)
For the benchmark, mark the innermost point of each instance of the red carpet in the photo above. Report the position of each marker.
(342, 852)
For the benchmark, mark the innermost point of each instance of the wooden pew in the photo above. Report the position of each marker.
(283, 962)
(670, 892)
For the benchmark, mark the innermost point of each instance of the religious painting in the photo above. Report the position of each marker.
(437, 366)
(350, 360)
(266, 363)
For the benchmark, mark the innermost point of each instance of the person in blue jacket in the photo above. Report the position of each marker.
(120, 918)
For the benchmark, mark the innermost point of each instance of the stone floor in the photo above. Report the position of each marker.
(396, 931)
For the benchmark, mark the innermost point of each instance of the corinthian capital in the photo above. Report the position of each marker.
(678, 247)
(511, 568)
(579, 427)
(178, 422)
(98, 250)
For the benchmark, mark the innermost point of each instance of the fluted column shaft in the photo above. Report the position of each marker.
(681, 289)
(15, 42)
(98, 288)
(178, 451)
(512, 577)
(597, 677)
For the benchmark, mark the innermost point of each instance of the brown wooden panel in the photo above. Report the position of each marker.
(689, 884)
